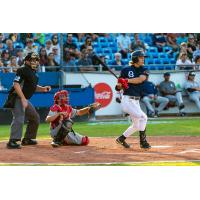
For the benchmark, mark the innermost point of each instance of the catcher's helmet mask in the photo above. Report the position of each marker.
(32, 59)
(61, 97)
(136, 54)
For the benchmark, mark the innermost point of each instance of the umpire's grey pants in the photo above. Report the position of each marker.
(19, 115)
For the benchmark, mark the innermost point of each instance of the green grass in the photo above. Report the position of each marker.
(160, 127)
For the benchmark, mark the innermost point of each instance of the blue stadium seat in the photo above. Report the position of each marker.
(107, 51)
(126, 61)
(102, 40)
(104, 44)
(114, 49)
(112, 44)
(161, 67)
(148, 40)
(152, 49)
(18, 45)
(158, 61)
(167, 48)
(154, 55)
(152, 68)
(170, 67)
(149, 61)
(98, 50)
(95, 45)
(74, 40)
(166, 61)
(172, 61)
(162, 55)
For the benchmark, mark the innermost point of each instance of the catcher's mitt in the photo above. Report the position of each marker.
(93, 107)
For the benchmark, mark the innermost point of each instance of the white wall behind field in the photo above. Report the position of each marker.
(114, 108)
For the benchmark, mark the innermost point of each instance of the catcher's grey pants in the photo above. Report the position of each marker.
(162, 101)
(71, 138)
(19, 115)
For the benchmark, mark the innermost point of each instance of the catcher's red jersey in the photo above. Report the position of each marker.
(65, 108)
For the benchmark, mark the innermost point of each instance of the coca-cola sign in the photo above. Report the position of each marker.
(103, 94)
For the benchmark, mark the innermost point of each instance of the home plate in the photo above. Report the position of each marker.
(80, 152)
(161, 147)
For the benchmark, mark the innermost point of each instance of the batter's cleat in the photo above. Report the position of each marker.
(55, 144)
(12, 144)
(145, 145)
(27, 141)
(122, 142)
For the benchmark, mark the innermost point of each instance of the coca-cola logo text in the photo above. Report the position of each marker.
(103, 94)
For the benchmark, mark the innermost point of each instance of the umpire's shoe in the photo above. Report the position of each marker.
(12, 144)
(121, 140)
(27, 141)
(145, 145)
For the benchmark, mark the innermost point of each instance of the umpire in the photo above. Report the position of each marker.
(24, 86)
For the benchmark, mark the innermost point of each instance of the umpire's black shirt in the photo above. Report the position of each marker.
(28, 80)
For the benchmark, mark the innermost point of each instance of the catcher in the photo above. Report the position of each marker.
(59, 117)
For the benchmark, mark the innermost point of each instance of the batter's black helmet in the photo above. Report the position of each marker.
(136, 54)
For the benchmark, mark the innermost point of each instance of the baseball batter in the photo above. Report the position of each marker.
(59, 117)
(131, 80)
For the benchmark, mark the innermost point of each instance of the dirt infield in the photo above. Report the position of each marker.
(105, 150)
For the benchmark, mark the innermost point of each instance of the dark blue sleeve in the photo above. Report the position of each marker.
(123, 74)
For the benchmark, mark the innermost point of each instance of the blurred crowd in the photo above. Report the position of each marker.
(78, 49)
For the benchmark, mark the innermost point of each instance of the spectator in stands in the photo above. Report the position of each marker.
(197, 62)
(193, 88)
(1, 65)
(181, 38)
(117, 63)
(48, 46)
(5, 57)
(191, 45)
(88, 42)
(43, 57)
(12, 51)
(20, 58)
(137, 44)
(150, 96)
(168, 89)
(159, 40)
(25, 36)
(13, 64)
(14, 37)
(197, 51)
(39, 38)
(1, 47)
(55, 42)
(172, 41)
(52, 63)
(85, 62)
(70, 52)
(29, 47)
(56, 54)
(2, 38)
(183, 62)
(124, 44)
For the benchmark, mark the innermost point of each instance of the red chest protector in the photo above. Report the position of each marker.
(56, 108)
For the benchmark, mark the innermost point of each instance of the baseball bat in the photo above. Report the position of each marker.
(102, 63)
